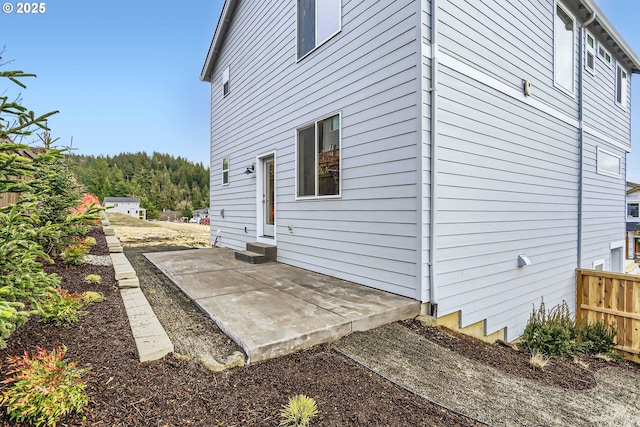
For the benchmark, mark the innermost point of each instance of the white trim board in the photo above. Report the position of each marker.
(516, 93)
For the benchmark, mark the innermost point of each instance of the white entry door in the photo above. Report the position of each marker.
(268, 196)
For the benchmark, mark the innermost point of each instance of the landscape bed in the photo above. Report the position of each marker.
(177, 392)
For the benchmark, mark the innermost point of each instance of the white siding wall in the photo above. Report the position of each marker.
(604, 207)
(508, 176)
(370, 72)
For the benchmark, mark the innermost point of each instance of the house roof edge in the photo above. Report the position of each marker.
(218, 38)
(616, 38)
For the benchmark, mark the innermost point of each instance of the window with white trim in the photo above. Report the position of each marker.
(225, 82)
(604, 55)
(225, 171)
(598, 265)
(318, 21)
(563, 49)
(621, 86)
(590, 53)
(318, 158)
(633, 210)
(608, 163)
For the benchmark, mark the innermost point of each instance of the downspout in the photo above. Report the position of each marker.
(581, 133)
(433, 184)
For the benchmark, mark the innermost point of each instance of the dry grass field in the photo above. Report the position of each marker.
(135, 232)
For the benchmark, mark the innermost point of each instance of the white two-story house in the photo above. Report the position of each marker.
(467, 154)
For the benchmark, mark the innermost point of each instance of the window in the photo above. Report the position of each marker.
(621, 87)
(598, 265)
(318, 155)
(633, 210)
(225, 171)
(590, 57)
(608, 163)
(225, 82)
(604, 55)
(563, 50)
(318, 20)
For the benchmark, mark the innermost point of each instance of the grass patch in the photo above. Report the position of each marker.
(120, 219)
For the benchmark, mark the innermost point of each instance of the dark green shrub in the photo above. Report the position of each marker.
(596, 338)
(552, 333)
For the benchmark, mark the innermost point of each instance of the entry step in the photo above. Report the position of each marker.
(257, 253)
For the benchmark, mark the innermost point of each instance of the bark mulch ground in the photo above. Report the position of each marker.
(563, 373)
(172, 392)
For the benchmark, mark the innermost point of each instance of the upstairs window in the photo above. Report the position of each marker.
(563, 50)
(318, 155)
(225, 171)
(633, 210)
(621, 87)
(590, 57)
(604, 55)
(225, 82)
(318, 20)
(608, 163)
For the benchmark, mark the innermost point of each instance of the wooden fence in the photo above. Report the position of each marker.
(614, 298)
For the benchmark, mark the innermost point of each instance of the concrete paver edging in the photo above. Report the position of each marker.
(151, 339)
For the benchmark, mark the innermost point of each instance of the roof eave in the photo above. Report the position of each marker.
(616, 38)
(218, 38)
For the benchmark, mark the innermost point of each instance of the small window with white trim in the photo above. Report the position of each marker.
(598, 265)
(590, 57)
(563, 50)
(633, 210)
(608, 163)
(225, 171)
(225, 82)
(604, 55)
(621, 86)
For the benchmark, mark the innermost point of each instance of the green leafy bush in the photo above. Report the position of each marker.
(552, 333)
(63, 307)
(299, 411)
(44, 388)
(596, 338)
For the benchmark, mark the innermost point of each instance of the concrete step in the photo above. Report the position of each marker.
(251, 257)
(108, 230)
(269, 251)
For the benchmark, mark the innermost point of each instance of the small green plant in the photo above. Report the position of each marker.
(552, 333)
(539, 360)
(90, 297)
(596, 337)
(44, 388)
(74, 254)
(63, 307)
(89, 241)
(299, 411)
(93, 278)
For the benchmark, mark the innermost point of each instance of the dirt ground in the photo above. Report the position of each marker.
(134, 232)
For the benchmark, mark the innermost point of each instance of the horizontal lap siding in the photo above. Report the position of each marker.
(600, 109)
(510, 40)
(604, 206)
(508, 172)
(369, 72)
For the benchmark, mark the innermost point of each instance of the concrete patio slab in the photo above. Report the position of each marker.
(275, 309)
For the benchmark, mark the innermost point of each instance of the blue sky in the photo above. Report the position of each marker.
(124, 74)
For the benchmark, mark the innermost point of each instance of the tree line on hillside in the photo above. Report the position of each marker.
(160, 181)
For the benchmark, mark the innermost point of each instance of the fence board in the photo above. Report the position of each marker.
(615, 299)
